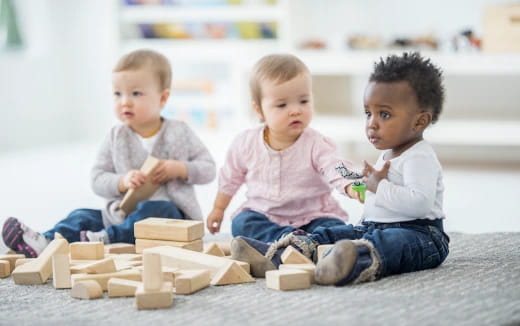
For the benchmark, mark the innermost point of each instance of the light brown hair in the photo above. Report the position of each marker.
(275, 67)
(147, 58)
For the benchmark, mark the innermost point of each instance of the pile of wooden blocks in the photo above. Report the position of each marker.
(154, 271)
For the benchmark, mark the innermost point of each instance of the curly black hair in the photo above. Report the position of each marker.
(422, 76)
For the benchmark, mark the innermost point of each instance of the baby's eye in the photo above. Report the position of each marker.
(117, 94)
(281, 105)
(136, 93)
(304, 101)
(384, 115)
(367, 113)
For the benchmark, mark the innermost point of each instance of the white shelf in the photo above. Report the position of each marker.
(207, 50)
(361, 62)
(445, 132)
(226, 13)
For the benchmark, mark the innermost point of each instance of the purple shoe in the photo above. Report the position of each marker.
(12, 234)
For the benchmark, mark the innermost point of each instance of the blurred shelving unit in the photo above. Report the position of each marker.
(206, 42)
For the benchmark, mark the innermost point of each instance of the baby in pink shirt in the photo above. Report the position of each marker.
(287, 166)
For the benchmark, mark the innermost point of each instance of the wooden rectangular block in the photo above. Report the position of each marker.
(61, 271)
(119, 248)
(12, 258)
(162, 298)
(102, 279)
(134, 196)
(187, 259)
(39, 270)
(191, 281)
(157, 228)
(87, 250)
(309, 268)
(106, 265)
(86, 289)
(141, 244)
(152, 273)
(288, 279)
(118, 287)
(5, 269)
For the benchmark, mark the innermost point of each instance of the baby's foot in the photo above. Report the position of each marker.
(20, 238)
(89, 236)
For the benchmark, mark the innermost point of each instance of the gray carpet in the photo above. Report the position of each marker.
(479, 284)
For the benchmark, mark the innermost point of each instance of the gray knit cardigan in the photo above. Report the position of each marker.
(122, 151)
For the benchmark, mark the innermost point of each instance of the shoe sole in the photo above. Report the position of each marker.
(12, 235)
(337, 264)
(242, 251)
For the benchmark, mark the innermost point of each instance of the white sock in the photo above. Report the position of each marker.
(34, 239)
(100, 236)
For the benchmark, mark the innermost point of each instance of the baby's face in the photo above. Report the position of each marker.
(391, 111)
(138, 99)
(287, 107)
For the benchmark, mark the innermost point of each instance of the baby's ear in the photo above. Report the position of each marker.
(423, 120)
(258, 111)
(164, 96)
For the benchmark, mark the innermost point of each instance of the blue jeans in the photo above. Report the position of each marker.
(91, 220)
(254, 225)
(401, 247)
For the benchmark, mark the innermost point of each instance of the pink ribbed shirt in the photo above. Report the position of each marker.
(291, 187)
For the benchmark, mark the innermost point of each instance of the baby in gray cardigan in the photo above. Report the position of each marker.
(141, 86)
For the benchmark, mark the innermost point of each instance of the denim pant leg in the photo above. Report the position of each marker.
(124, 232)
(76, 221)
(330, 235)
(255, 225)
(325, 222)
(408, 249)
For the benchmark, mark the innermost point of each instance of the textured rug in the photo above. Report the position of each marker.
(479, 284)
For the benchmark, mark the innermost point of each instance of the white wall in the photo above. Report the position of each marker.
(57, 88)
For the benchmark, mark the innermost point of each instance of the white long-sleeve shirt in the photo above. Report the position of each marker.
(413, 190)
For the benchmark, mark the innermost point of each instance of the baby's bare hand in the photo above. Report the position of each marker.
(134, 179)
(373, 176)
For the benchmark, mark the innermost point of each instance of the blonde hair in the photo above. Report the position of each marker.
(275, 67)
(141, 58)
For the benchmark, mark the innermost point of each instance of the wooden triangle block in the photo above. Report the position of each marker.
(214, 249)
(231, 273)
(292, 256)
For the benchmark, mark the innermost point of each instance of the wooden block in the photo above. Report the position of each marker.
(231, 274)
(127, 264)
(309, 268)
(120, 248)
(168, 273)
(127, 257)
(22, 261)
(87, 250)
(5, 268)
(141, 244)
(10, 252)
(157, 228)
(39, 270)
(322, 249)
(144, 192)
(102, 266)
(288, 279)
(291, 255)
(12, 258)
(61, 271)
(225, 246)
(191, 281)
(187, 259)
(102, 279)
(152, 273)
(214, 249)
(118, 287)
(58, 235)
(87, 289)
(163, 298)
